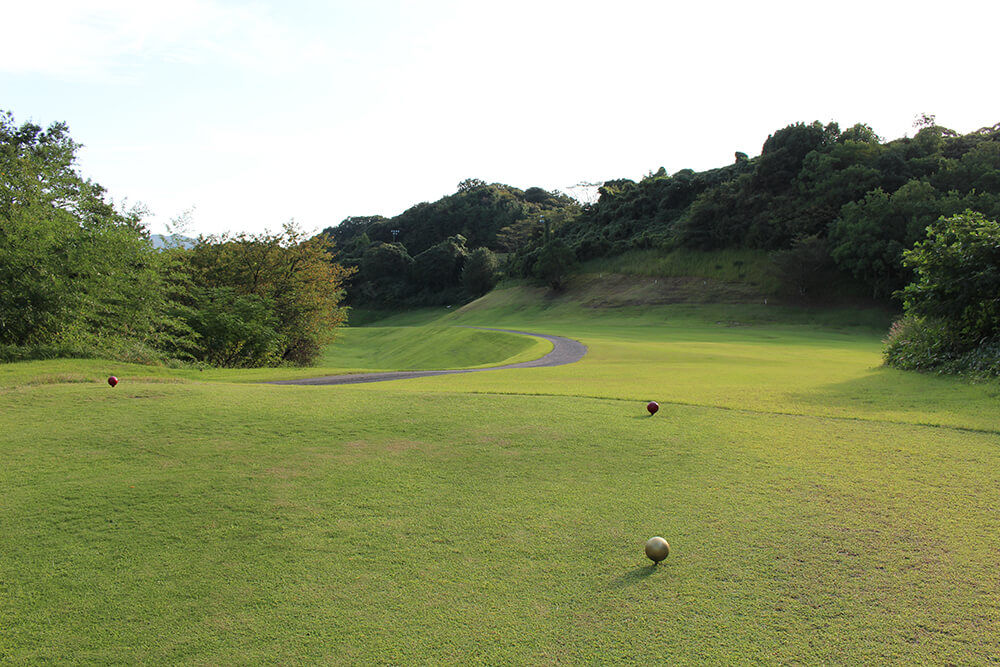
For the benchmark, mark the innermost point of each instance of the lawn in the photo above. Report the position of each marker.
(820, 508)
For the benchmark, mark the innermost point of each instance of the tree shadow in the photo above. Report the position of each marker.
(634, 576)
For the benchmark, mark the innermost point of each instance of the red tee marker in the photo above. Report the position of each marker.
(652, 406)
(112, 380)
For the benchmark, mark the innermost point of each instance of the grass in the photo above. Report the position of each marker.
(355, 350)
(730, 265)
(401, 348)
(819, 507)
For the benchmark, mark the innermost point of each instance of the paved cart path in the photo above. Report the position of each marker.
(564, 351)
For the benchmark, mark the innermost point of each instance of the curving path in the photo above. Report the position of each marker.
(564, 351)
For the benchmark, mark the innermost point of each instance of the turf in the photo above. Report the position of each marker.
(819, 507)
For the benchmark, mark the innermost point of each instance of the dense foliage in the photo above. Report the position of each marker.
(76, 274)
(419, 256)
(79, 277)
(836, 207)
(480, 272)
(865, 201)
(952, 307)
(263, 299)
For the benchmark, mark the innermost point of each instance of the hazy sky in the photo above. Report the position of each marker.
(255, 113)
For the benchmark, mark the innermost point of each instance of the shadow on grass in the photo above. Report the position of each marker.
(634, 577)
(908, 396)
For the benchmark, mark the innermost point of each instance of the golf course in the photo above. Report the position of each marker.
(820, 507)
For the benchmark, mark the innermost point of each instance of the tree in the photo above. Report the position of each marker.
(783, 152)
(74, 271)
(471, 184)
(860, 132)
(805, 268)
(234, 330)
(869, 237)
(957, 276)
(481, 272)
(383, 274)
(289, 274)
(555, 260)
(440, 266)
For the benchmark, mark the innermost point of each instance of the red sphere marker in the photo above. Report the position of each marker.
(112, 380)
(652, 406)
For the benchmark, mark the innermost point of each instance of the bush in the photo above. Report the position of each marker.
(12, 353)
(234, 330)
(924, 344)
(952, 322)
(919, 344)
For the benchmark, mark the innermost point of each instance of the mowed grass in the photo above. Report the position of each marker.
(355, 350)
(819, 508)
(433, 347)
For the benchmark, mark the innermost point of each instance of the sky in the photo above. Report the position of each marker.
(240, 116)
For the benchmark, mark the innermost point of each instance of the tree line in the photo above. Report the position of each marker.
(80, 277)
(843, 200)
(449, 250)
(835, 207)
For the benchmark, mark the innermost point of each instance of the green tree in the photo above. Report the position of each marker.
(294, 276)
(384, 273)
(440, 266)
(860, 132)
(957, 276)
(805, 268)
(234, 330)
(783, 152)
(73, 270)
(481, 272)
(554, 263)
(869, 237)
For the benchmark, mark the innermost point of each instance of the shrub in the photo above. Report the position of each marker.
(234, 330)
(919, 344)
(952, 322)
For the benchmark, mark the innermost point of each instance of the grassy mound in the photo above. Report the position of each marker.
(431, 347)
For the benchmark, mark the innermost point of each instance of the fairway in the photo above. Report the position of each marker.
(819, 507)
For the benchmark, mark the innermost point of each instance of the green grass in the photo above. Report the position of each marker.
(403, 348)
(820, 508)
(355, 350)
(730, 265)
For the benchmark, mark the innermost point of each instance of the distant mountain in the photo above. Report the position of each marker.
(173, 241)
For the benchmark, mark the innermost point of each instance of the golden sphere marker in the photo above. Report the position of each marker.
(657, 549)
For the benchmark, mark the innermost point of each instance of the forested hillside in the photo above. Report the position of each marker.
(446, 250)
(825, 195)
(832, 205)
